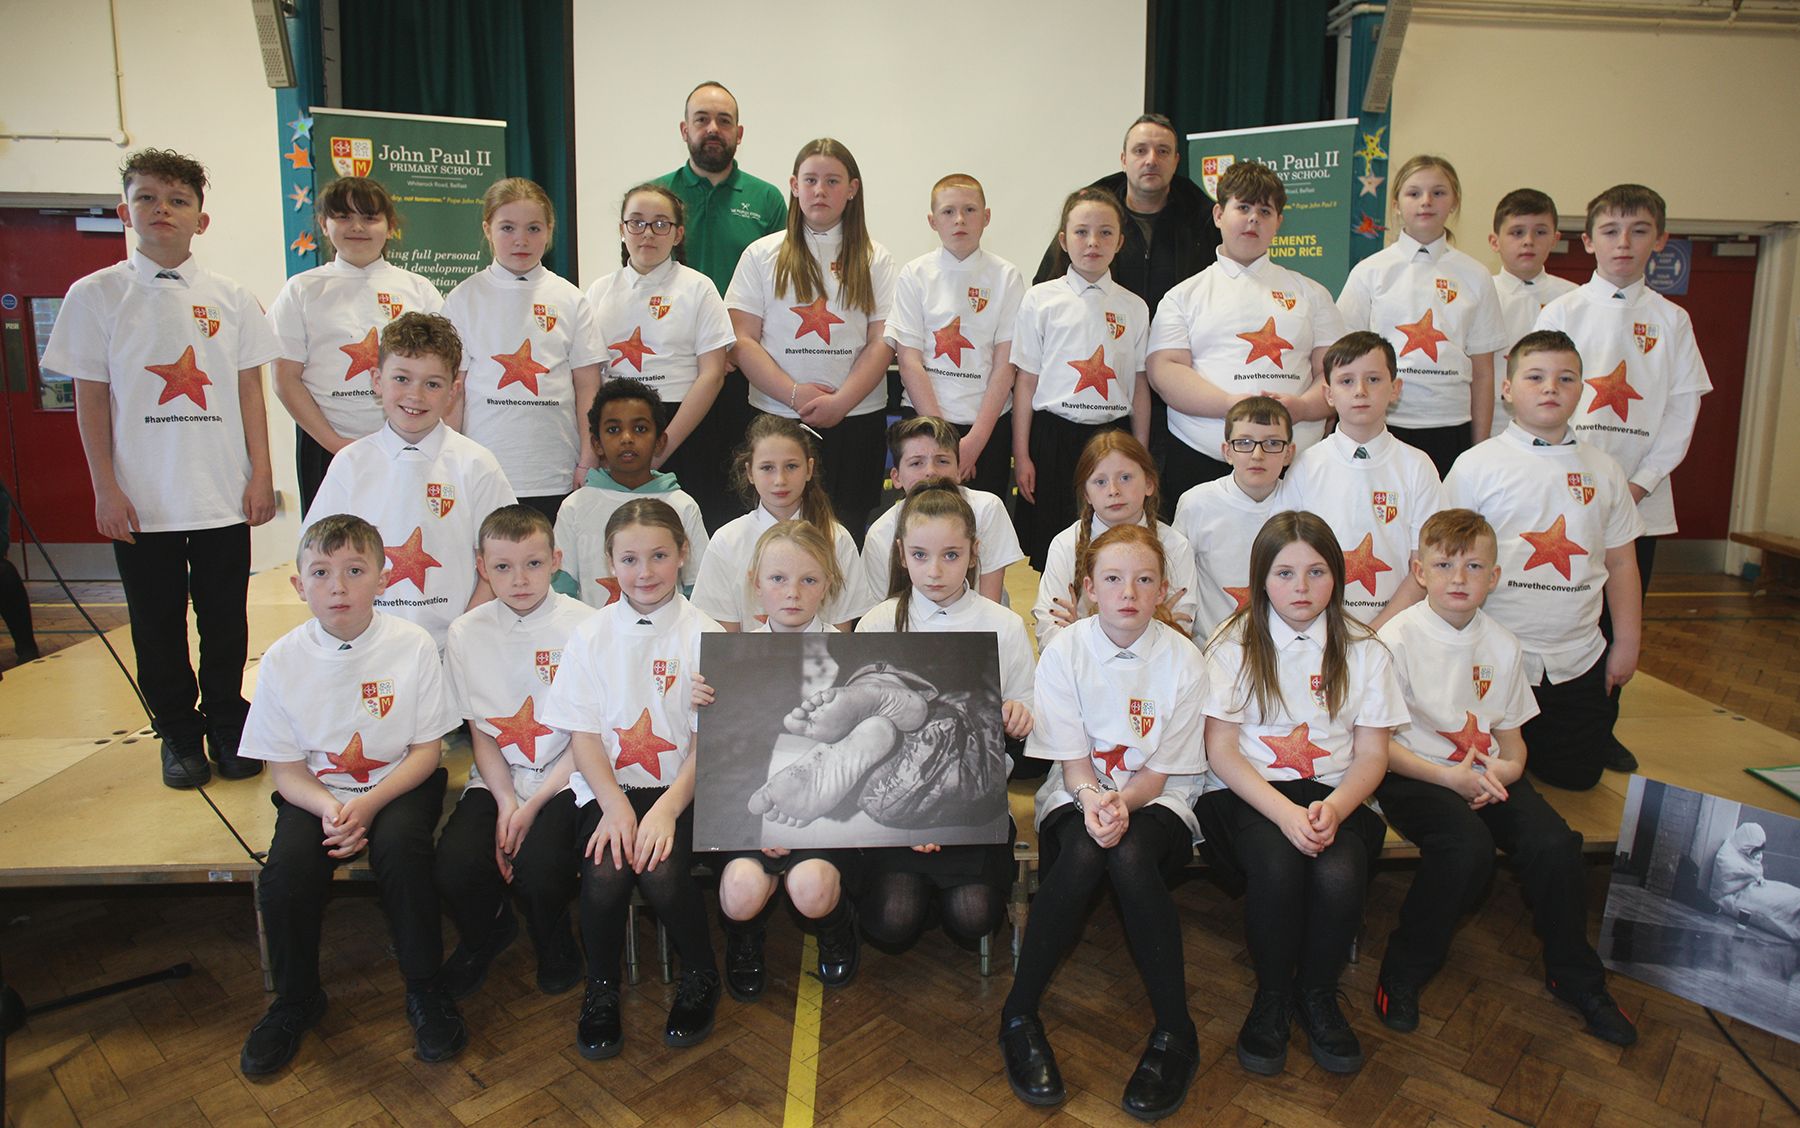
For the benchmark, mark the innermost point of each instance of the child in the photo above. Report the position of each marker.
(1566, 524)
(1117, 480)
(1220, 518)
(625, 425)
(166, 359)
(515, 822)
(1445, 351)
(794, 574)
(952, 327)
(933, 559)
(1299, 701)
(665, 325)
(777, 466)
(349, 708)
(425, 486)
(1456, 786)
(624, 695)
(1078, 348)
(813, 350)
(1524, 234)
(328, 320)
(1118, 707)
(529, 343)
(926, 447)
(1371, 488)
(1243, 326)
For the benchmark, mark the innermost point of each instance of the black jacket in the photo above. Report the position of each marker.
(1186, 243)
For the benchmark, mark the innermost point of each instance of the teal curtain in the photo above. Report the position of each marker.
(480, 59)
(1236, 64)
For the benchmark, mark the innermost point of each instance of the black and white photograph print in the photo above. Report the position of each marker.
(1705, 903)
(832, 740)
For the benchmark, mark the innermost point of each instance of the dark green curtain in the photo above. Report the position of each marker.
(1237, 64)
(480, 59)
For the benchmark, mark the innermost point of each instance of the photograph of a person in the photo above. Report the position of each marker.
(1705, 903)
(837, 740)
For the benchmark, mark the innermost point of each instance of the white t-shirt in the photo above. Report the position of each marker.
(1520, 303)
(329, 319)
(970, 612)
(997, 544)
(169, 351)
(1375, 506)
(581, 533)
(1220, 521)
(1128, 709)
(500, 666)
(630, 679)
(351, 711)
(1059, 574)
(1246, 329)
(522, 335)
(819, 625)
(1460, 685)
(656, 326)
(723, 587)
(1437, 307)
(955, 312)
(1300, 740)
(1556, 509)
(1085, 342)
(428, 500)
(817, 343)
(1643, 381)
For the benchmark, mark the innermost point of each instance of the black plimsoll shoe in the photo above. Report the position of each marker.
(1328, 1034)
(1620, 759)
(275, 1039)
(438, 1030)
(1397, 1005)
(745, 973)
(1606, 1020)
(1030, 1063)
(222, 745)
(597, 1033)
(840, 952)
(467, 968)
(184, 766)
(1160, 1082)
(559, 960)
(696, 1001)
(1262, 1044)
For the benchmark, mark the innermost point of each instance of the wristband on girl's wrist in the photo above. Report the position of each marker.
(793, 395)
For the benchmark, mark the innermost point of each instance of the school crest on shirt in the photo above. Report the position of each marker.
(1581, 487)
(544, 663)
(1141, 716)
(352, 156)
(1446, 290)
(378, 697)
(1284, 299)
(1317, 684)
(1385, 504)
(388, 305)
(660, 307)
(207, 318)
(837, 269)
(1115, 325)
(1210, 170)
(1484, 680)
(1644, 335)
(663, 672)
(544, 316)
(440, 498)
(978, 298)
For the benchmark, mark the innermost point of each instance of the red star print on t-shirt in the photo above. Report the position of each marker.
(633, 349)
(409, 561)
(1295, 750)
(1614, 391)
(612, 589)
(184, 378)
(1553, 547)
(1094, 373)
(815, 318)
(1422, 336)
(1111, 759)
(519, 368)
(1265, 342)
(364, 355)
(351, 762)
(640, 745)
(521, 730)
(1242, 595)
(1361, 565)
(1468, 739)
(949, 341)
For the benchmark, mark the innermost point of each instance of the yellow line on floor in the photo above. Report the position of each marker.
(803, 1055)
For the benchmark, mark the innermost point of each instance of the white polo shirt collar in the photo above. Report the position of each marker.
(1285, 636)
(1524, 438)
(330, 644)
(1232, 268)
(147, 270)
(658, 278)
(389, 442)
(1627, 295)
(1344, 446)
(1411, 250)
(1108, 652)
(506, 277)
(947, 262)
(632, 621)
(923, 610)
(1079, 286)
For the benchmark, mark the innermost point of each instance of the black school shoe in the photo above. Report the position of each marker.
(1262, 1043)
(1328, 1034)
(696, 1001)
(1606, 1020)
(184, 766)
(1030, 1063)
(559, 962)
(438, 1030)
(1620, 759)
(275, 1039)
(597, 1032)
(840, 952)
(467, 968)
(222, 745)
(745, 972)
(1397, 1005)
(1160, 1082)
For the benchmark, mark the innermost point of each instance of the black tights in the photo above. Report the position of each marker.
(669, 889)
(1074, 867)
(893, 910)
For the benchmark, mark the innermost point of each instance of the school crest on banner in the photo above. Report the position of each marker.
(544, 663)
(1446, 290)
(1210, 170)
(1284, 299)
(389, 306)
(440, 498)
(207, 318)
(1581, 487)
(1114, 325)
(1385, 505)
(1142, 716)
(1644, 335)
(1484, 680)
(659, 307)
(378, 697)
(544, 316)
(978, 298)
(663, 672)
(352, 156)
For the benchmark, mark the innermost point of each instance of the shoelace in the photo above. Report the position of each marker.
(1268, 1007)
(1322, 1004)
(694, 987)
(598, 996)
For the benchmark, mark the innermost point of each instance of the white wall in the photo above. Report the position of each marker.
(915, 90)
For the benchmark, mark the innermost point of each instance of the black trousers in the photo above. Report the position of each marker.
(469, 881)
(702, 463)
(853, 456)
(293, 885)
(1056, 446)
(547, 504)
(1183, 469)
(1442, 444)
(311, 461)
(1456, 859)
(670, 890)
(1571, 737)
(160, 573)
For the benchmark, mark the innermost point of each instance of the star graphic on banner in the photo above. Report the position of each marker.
(301, 195)
(304, 245)
(640, 745)
(364, 355)
(1553, 547)
(351, 762)
(1111, 759)
(815, 318)
(1468, 739)
(949, 341)
(521, 730)
(1371, 184)
(612, 589)
(1361, 565)
(1295, 750)
(1242, 595)
(183, 378)
(1614, 391)
(302, 127)
(1265, 342)
(1422, 336)
(1094, 373)
(633, 348)
(299, 156)
(519, 368)
(409, 561)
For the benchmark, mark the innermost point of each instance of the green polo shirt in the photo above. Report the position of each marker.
(724, 219)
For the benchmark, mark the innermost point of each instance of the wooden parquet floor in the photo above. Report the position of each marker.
(1709, 636)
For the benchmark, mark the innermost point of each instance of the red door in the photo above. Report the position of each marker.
(1718, 301)
(41, 253)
